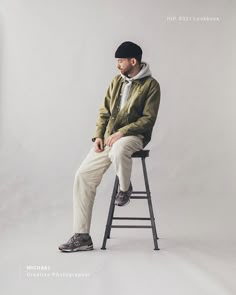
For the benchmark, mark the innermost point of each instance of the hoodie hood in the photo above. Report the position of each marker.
(145, 71)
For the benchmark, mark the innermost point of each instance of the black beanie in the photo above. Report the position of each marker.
(128, 49)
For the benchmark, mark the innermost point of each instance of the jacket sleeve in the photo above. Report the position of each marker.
(149, 114)
(104, 114)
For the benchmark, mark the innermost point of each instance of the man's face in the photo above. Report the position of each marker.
(125, 65)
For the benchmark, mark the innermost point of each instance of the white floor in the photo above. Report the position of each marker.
(184, 265)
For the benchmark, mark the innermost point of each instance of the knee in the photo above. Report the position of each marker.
(118, 152)
(80, 173)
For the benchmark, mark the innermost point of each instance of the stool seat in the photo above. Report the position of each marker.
(141, 154)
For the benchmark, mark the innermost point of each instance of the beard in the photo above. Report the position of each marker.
(127, 71)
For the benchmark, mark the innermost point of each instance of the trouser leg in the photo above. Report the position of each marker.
(120, 155)
(87, 178)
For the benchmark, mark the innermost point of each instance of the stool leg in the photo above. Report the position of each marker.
(114, 193)
(110, 214)
(154, 231)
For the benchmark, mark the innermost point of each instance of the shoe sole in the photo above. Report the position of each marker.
(130, 193)
(123, 204)
(81, 248)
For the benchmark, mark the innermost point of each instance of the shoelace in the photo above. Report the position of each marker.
(72, 239)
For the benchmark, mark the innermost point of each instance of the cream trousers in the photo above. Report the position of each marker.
(90, 172)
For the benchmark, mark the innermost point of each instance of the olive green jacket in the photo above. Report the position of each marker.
(138, 115)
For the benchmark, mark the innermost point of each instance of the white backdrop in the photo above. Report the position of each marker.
(52, 52)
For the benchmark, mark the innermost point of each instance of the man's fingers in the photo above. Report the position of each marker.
(109, 140)
(113, 141)
(98, 146)
(101, 145)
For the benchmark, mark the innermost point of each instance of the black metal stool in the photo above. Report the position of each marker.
(140, 154)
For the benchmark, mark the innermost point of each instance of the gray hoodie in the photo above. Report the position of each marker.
(145, 71)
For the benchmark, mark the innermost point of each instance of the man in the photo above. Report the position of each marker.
(124, 126)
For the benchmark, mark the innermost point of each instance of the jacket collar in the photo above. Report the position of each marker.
(138, 81)
(143, 73)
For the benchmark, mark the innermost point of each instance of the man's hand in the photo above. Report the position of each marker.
(98, 145)
(113, 138)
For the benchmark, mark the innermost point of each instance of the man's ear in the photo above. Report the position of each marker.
(133, 61)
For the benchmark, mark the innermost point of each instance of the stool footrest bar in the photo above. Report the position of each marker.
(132, 218)
(138, 197)
(132, 226)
